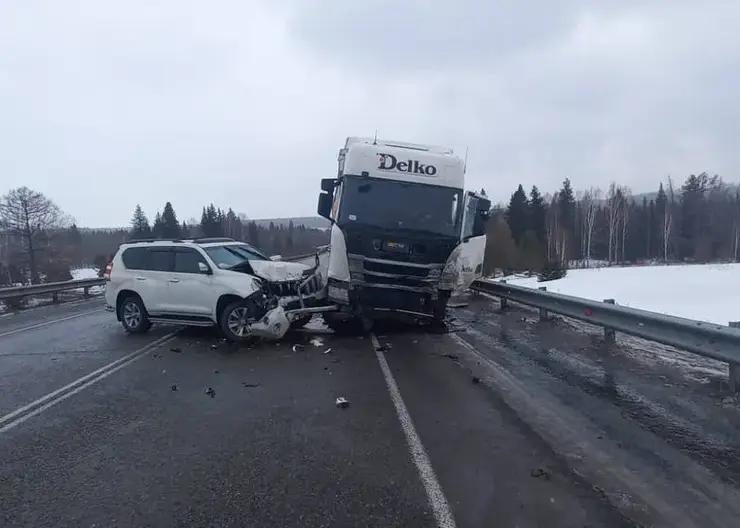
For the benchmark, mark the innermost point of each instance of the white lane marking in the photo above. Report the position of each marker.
(59, 395)
(47, 323)
(435, 495)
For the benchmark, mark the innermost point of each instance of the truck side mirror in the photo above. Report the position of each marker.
(482, 215)
(324, 208)
(328, 184)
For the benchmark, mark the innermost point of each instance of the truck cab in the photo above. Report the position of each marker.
(404, 233)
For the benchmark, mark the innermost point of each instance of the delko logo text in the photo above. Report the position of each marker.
(390, 162)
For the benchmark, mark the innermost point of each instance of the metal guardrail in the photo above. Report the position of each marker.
(699, 337)
(54, 288)
(50, 287)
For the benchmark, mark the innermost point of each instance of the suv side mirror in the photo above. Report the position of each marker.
(204, 269)
(276, 258)
(325, 203)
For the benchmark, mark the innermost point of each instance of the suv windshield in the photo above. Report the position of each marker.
(400, 205)
(233, 254)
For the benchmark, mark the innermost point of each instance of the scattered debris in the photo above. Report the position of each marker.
(214, 346)
(297, 347)
(539, 472)
(176, 349)
(156, 355)
(164, 371)
(215, 371)
(476, 380)
(249, 385)
(210, 392)
(342, 403)
(457, 305)
(382, 348)
(327, 351)
(453, 357)
(317, 342)
(173, 388)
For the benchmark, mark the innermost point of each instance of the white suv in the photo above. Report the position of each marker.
(207, 282)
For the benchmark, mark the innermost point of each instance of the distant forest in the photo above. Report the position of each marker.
(698, 221)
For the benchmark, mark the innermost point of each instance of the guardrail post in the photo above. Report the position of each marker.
(734, 370)
(55, 297)
(544, 316)
(86, 291)
(610, 336)
(503, 300)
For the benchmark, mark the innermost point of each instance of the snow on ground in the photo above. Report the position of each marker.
(709, 292)
(84, 273)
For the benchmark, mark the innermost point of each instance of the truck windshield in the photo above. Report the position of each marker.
(400, 205)
(230, 255)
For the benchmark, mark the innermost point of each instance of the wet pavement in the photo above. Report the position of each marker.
(518, 424)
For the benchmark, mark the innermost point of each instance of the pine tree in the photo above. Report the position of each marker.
(170, 223)
(140, 224)
(289, 238)
(538, 214)
(517, 215)
(158, 227)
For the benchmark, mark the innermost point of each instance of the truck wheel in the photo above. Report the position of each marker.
(234, 321)
(134, 318)
(343, 326)
(300, 323)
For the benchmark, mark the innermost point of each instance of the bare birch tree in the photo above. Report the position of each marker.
(627, 205)
(612, 209)
(26, 214)
(589, 205)
(668, 219)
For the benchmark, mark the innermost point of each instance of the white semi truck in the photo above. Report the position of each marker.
(405, 234)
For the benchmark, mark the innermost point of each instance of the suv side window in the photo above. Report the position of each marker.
(187, 259)
(160, 259)
(134, 258)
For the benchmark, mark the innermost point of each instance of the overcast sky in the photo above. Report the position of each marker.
(246, 103)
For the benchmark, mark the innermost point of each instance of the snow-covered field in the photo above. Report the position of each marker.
(708, 292)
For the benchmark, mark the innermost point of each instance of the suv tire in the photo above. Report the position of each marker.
(233, 321)
(134, 317)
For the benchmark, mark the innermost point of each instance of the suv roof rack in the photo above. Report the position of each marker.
(137, 240)
(205, 240)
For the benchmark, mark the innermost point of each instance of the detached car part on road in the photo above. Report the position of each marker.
(211, 282)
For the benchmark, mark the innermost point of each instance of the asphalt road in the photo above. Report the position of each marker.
(462, 429)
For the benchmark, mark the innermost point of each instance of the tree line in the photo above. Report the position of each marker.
(41, 243)
(696, 222)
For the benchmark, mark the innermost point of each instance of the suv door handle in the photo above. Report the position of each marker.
(173, 280)
(140, 278)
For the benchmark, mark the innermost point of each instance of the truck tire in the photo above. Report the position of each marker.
(343, 326)
(300, 323)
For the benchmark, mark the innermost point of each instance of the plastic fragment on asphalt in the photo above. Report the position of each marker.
(315, 341)
(327, 351)
(296, 347)
(457, 305)
(342, 403)
(175, 349)
(173, 388)
(215, 371)
(249, 385)
(210, 392)
(476, 380)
